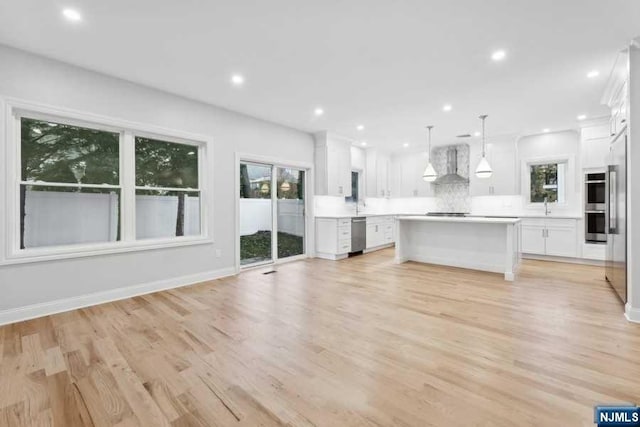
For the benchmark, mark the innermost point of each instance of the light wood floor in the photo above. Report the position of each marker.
(355, 342)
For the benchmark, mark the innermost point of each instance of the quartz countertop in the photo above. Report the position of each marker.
(362, 215)
(521, 216)
(467, 219)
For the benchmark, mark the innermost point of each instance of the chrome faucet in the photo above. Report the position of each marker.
(364, 205)
(546, 206)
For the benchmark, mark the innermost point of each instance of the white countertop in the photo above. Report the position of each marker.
(364, 215)
(526, 215)
(470, 219)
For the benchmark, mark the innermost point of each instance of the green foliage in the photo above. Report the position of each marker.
(257, 247)
(542, 175)
(166, 164)
(52, 152)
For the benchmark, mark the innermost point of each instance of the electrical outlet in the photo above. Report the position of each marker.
(218, 253)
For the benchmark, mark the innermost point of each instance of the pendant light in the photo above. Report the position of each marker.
(429, 173)
(264, 189)
(484, 169)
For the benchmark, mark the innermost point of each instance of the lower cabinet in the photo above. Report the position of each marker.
(380, 231)
(550, 236)
(533, 238)
(333, 237)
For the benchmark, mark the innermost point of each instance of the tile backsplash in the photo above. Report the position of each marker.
(452, 197)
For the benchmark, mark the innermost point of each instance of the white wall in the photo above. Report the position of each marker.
(553, 145)
(41, 80)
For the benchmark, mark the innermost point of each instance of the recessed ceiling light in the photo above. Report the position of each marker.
(363, 143)
(318, 111)
(476, 133)
(447, 107)
(498, 55)
(360, 127)
(405, 145)
(237, 80)
(72, 15)
(546, 130)
(581, 117)
(593, 74)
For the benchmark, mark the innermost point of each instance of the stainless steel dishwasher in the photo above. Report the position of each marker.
(358, 234)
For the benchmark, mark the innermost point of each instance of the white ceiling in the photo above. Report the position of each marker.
(390, 65)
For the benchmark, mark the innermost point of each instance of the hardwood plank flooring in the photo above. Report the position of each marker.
(358, 342)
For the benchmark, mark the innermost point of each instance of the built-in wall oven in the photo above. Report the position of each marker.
(595, 207)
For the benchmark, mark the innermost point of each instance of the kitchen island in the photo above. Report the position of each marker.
(478, 243)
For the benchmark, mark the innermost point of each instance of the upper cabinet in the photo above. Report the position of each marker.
(615, 94)
(406, 170)
(594, 141)
(333, 165)
(502, 156)
(378, 172)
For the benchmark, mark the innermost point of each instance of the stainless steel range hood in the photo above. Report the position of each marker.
(452, 176)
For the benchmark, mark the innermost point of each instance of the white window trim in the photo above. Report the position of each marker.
(568, 159)
(10, 233)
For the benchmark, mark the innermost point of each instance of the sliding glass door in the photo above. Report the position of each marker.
(290, 204)
(271, 198)
(256, 214)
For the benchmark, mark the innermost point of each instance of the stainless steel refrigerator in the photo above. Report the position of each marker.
(616, 218)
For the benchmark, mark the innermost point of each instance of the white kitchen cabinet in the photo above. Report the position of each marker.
(333, 165)
(407, 170)
(595, 141)
(380, 231)
(550, 236)
(378, 174)
(333, 238)
(561, 241)
(501, 155)
(533, 239)
(616, 93)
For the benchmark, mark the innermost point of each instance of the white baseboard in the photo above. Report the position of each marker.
(377, 248)
(459, 263)
(58, 306)
(333, 257)
(632, 314)
(583, 261)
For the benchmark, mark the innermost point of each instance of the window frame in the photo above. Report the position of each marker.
(569, 162)
(15, 110)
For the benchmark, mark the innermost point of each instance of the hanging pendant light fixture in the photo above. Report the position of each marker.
(484, 168)
(264, 189)
(429, 174)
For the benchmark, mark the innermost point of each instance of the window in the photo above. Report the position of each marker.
(547, 182)
(167, 192)
(87, 185)
(355, 185)
(69, 186)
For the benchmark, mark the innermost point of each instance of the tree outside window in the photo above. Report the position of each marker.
(546, 182)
